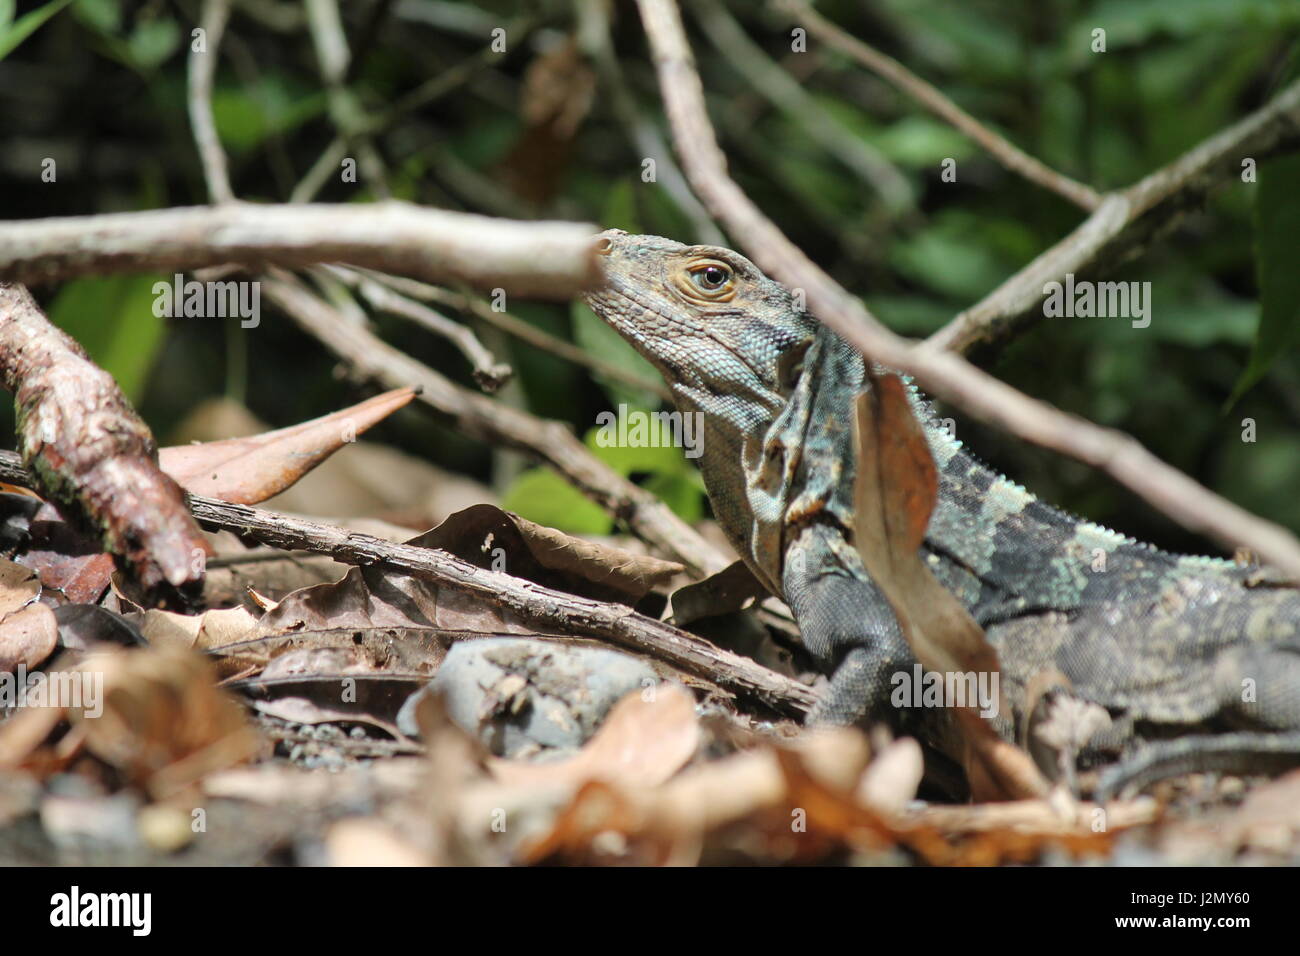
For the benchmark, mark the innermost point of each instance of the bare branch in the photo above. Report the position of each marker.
(95, 459)
(777, 86)
(943, 374)
(1127, 220)
(541, 607)
(524, 331)
(202, 69)
(997, 146)
(545, 259)
(488, 372)
(480, 417)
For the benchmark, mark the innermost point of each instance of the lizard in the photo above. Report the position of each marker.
(1171, 646)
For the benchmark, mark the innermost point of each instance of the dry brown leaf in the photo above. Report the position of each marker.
(211, 629)
(485, 536)
(27, 637)
(721, 593)
(413, 651)
(669, 824)
(19, 587)
(894, 495)
(28, 630)
(22, 735)
(644, 740)
(489, 537)
(897, 485)
(889, 783)
(368, 842)
(164, 723)
(378, 597)
(252, 469)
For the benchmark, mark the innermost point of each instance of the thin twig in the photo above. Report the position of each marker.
(594, 36)
(487, 371)
(944, 374)
(202, 69)
(480, 417)
(1125, 221)
(524, 331)
(319, 173)
(997, 146)
(784, 92)
(333, 56)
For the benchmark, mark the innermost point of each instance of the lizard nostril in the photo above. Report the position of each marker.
(604, 245)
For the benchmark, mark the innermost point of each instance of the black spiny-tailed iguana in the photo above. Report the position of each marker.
(1169, 645)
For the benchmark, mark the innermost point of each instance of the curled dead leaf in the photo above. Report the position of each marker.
(158, 715)
(646, 738)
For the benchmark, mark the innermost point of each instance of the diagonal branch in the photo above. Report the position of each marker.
(1126, 221)
(997, 146)
(542, 607)
(480, 417)
(524, 331)
(944, 374)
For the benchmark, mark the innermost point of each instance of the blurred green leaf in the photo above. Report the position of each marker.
(1277, 226)
(1132, 22)
(627, 459)
(619, 208)
(910, 314)
(684, 494)
(541, 495)
(245, 116)
(102, 15)
(921, 141)
(950, 256)
(153, 41)
(113, 320)
(16, 32)
(976, 42)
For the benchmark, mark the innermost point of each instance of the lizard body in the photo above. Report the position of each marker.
(1164, 642)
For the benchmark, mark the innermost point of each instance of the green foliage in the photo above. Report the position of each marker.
(1277, 232)
(14, 32)
(150, 41)
(246, 115)
(113, 320)
(952, 257)
(543, 496)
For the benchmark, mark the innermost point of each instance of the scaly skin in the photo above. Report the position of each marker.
(1163, 641)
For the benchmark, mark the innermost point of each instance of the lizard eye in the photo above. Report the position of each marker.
(711, 277)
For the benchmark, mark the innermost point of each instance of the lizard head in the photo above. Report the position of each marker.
(706, 317)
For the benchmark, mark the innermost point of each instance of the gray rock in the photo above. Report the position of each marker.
(524, 697)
